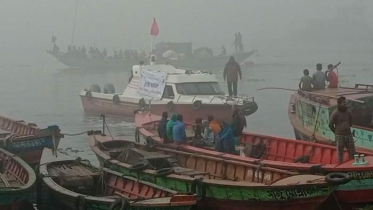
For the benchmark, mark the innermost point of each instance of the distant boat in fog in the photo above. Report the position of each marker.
(179, 55)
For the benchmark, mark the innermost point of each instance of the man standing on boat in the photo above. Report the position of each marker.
(319, 78)
(340, 124)
(231, 72)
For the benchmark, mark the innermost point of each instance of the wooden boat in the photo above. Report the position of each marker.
(75, 184)
(288, 154)
(27, 140)
(219, 183)
(209, 63)
(16, 181)
(309, 114)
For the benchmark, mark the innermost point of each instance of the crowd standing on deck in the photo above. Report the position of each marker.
(224, 137)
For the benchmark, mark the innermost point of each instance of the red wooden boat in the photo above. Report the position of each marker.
(16, 181)
(76, 185)
(282, 153)
(27, 140)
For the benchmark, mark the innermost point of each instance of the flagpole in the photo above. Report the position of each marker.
(73, 34)
(151, 48)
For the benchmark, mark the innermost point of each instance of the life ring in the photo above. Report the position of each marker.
(88, 94)
(337, 178)
(170, 106)
(164, 171)
(120, 202)
(137, 135)
(80, 203)
(201, 194)
(142, 103)
(116, 99)
(138, 167)
(249, 108)
(197, 104)
(149, 141)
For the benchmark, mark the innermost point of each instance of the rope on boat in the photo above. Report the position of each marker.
(276, 88)
(75, 134)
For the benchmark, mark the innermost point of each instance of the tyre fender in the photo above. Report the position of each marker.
(197, 104)
(337, 178)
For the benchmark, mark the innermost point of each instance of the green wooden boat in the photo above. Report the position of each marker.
(219, 184)
(16, 181)
(77, 185)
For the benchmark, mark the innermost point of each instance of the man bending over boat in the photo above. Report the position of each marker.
(340, 124)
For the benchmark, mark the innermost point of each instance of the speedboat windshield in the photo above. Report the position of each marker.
(199, 88)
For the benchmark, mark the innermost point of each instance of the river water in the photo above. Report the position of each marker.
(37, 88)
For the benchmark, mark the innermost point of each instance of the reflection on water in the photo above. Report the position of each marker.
(49, 94)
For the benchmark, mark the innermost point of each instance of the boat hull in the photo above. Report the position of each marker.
(27, 140)
(238, 200)
(358, 190)
(108, 107)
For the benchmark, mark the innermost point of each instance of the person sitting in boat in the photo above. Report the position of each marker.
(332, 77)
(319, 78)
(340, 124)
(306, 81)
(170, 126)
(238, 124)
(231, 72)
(162, 127)
(225, 140)
(198, 129)
(214, 125)
(178, 131)
(208, 136)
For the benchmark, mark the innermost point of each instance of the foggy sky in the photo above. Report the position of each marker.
(27, 25)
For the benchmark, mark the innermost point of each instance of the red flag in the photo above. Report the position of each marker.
(154, 30)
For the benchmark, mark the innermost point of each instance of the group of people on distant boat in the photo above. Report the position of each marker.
(319, 78)
(238, 42)
(95, 53)
(207, 132)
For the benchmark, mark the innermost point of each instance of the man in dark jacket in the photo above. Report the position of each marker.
(162, 128)
(231, 72)
(238, 124)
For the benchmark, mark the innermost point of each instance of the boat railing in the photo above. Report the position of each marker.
(226, 99)
(364, 86)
